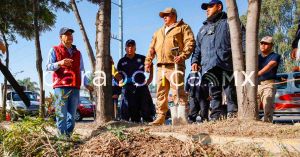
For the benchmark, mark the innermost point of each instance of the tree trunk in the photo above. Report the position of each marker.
(237, 52)
(246, 90)
(249, 110)
(4, 87)
(39, 58)
(85, 37)
(104, 69)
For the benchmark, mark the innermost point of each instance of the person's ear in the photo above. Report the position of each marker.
(220, 7)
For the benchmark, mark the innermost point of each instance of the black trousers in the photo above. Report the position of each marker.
(136, 104)
(198, 101)
(217, 78)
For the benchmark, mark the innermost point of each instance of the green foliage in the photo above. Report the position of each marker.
(30, 85)
(279, 18)
(16, 17)
(119, 132)
(32, 137)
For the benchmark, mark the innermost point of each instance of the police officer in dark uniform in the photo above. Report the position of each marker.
(137, 101)
(199, 98)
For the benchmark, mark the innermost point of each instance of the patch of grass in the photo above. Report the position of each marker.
(119, 132)
(31, 137)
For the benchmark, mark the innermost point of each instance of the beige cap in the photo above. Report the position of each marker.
(267, 39)
(167, 11)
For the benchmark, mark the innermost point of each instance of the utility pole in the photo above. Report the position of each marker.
(120, 37)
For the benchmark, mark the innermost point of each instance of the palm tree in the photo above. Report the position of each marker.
(8, 16)
(4, 90)
(29, 85)
(31, 18)
(85, 37)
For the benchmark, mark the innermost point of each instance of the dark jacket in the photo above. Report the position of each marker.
(213, 46)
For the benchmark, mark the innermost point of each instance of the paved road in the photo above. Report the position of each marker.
(278, 120)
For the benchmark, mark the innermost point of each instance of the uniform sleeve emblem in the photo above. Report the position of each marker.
(139, 60)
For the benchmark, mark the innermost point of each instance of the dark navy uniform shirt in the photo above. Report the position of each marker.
(132, 70)
(263, 61)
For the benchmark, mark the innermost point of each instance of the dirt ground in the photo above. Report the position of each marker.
(128, 139)
(119, 138)
(234, 127)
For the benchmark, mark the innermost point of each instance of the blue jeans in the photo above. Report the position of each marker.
(216, 92)
(67, 99)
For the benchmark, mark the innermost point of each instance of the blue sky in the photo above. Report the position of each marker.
(141, 20)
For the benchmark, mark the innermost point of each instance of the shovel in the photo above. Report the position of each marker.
(174, 108)
(176, 50)
(180, 110)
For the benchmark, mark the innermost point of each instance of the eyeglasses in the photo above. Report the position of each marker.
(264, 43)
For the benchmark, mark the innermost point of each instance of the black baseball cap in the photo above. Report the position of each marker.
(65, 29)
(212, 2)
(130, 41)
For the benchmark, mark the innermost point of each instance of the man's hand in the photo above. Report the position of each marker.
(296, 68)
(152, 52)
(115, 96)
(294, 53)
(148, 68)
(66, 62)
(178, 59)
(89, 87)
(195, 67)
(259, 73)
(148, 82)
(2, 47)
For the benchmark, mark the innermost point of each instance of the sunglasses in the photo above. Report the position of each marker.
(264, 43)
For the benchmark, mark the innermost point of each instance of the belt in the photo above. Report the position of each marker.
(264, 82)
(165, 64)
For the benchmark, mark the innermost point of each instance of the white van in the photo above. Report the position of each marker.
(287, 98)
(16, 107)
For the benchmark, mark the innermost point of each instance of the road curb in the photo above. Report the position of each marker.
(273, 145)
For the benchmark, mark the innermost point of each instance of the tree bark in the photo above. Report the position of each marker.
(250, 108)
(4, 87)
(103, 65)
(39, 58)
(237, 52)
(85, 37)
(246, 91)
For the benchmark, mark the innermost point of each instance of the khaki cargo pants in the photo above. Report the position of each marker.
(166, 80)
(266, 94)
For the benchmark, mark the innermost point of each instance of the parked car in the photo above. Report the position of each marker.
(85, 109)
(287, 98)
(17, 108)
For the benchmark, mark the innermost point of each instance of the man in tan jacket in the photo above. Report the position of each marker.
(173, 34)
